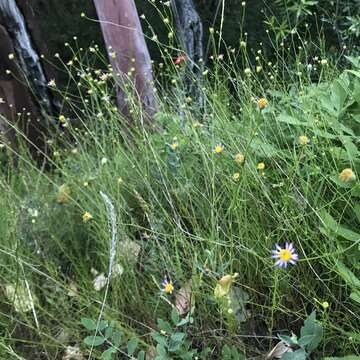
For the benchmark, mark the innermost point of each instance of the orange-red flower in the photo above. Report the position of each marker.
(180, 59)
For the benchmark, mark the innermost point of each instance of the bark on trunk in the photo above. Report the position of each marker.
(23, 86)
(122, 32)
(190, 33)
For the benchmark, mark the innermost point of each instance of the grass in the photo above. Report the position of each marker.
(183, 214)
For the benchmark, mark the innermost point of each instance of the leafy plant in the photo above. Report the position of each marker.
(311, 334)
(109, 335)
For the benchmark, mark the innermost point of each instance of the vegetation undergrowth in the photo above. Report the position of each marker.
(201, 196)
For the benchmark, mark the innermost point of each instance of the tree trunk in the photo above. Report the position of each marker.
(23, 86)
(190, 33)
(128, 52)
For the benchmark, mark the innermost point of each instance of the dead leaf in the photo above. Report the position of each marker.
(129, 250)
(183, 299)
(223, 286)
(278, 351)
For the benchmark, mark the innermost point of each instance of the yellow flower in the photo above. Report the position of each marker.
(303, 140)
(197, 125)
(87, 216)
(236, 176)
(260, 166)
(63, 195)
(167, 286)
(174, 145)
(325, 305)
(239, 158)
(62, 118)
(223, 286)
(218, 149)
(262, 103)
(347, 175)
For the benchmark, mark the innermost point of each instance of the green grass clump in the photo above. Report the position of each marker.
(202, 194)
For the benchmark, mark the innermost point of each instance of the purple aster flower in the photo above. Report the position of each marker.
(285, 255)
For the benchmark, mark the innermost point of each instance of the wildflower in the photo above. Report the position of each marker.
(347, 175)
(239, 158)
(104, 77)
(236, 176)
(62, 118)
(82, 14)
(69, 63)
(87, 216)
(243, 44)
(113, 54)
(103, 161)
(259, 68)
(211, 30)
(120, 180)
(63, 195)
(52, 83)
(99, 282)
(2, 100)
(323, 62)
(174, 145)
(167, 286)
(262, 103)
(218, 149)
(11, 56)
(166, 21)
(303, 140)
(285, 255)
(180, 59)
(223, 286)
(260, 166)
(247, 71)
(325, 305)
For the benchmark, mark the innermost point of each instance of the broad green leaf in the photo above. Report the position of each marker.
(162, 340)
(296, 355)
(103, 324)
(107, 354)
(141, 355)
(164, 326)
(132, 345)
(355, 296)
(116, 338)
(357, 211)
(311, 327)
(340, 230)
(178, 336)
(175, 316)
(94, 340)
(89, 324)
(109, 331)
(347, 275)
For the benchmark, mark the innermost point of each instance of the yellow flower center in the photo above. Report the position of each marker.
(169, 287)
(262, 103)
(218, 149)
(285, 255)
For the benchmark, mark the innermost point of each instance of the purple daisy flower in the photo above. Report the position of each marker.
(285, 255)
